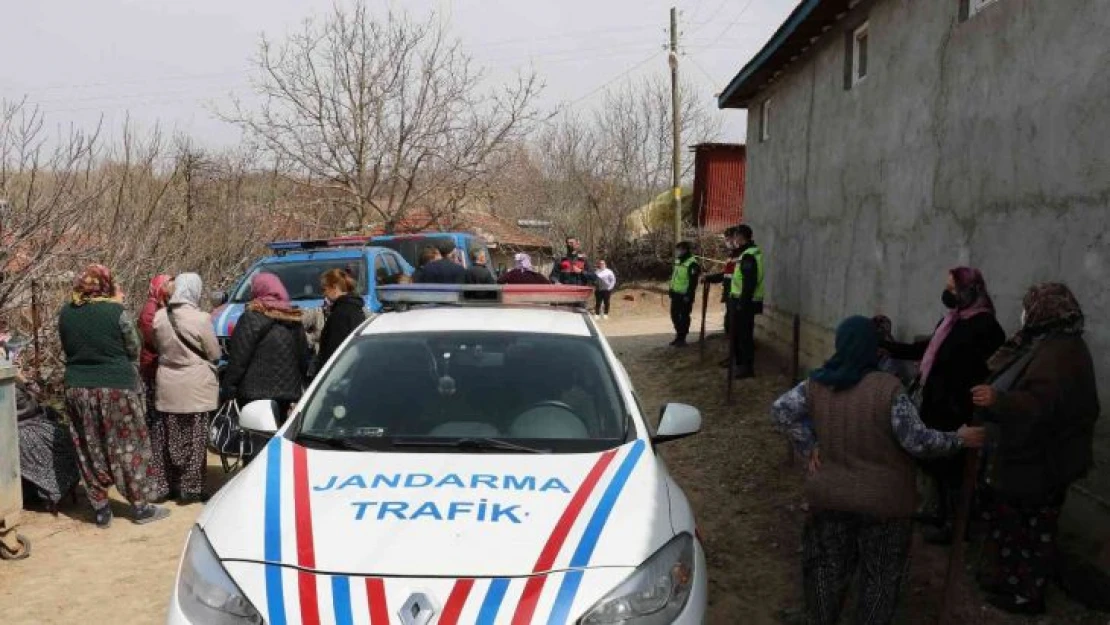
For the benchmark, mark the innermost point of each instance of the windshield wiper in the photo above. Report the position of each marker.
(335, 442)
(470, 443)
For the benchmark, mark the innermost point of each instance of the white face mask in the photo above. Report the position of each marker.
(1023, 317)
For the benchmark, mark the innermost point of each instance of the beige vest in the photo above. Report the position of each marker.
(863, 468)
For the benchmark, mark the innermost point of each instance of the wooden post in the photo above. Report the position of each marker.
(795, 367)
(731, 351)
(952, 578)
(35, 326)
(704, 308)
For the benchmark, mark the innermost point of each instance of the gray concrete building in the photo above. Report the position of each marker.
(890, 140)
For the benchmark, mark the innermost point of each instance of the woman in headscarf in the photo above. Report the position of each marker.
(522, 272)
(188, 390)
(1041, 407)
(346, 312)
(952, 361)
(160, 289)
(860, 487)
(106, 410)
(268, 356)
(47, 461)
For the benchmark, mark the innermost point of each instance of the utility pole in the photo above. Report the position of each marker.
(676, 129)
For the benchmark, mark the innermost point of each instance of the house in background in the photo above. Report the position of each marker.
(890, 140)
(718, 185)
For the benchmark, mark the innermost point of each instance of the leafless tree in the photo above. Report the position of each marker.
(386, 113)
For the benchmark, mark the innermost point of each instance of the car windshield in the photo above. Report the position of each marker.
(411, 247)
(302, 279)
(408, 392)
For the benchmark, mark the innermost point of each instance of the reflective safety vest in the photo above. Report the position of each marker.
(737, 286)
(680, 277)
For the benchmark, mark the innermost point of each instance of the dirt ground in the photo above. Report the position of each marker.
(737, 473)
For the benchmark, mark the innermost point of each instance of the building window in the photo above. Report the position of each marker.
(859, 53)
(974, 6)
(765, 120)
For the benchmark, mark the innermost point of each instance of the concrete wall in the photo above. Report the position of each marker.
(984, 142)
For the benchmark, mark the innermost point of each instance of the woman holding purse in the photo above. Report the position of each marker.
(187, 390)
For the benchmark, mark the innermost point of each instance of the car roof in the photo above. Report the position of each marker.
(322, 254)
(528, 319)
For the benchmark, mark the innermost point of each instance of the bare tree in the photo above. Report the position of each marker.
(388, 114)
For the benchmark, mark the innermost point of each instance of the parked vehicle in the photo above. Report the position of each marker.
(410, 245)
(299, 265)
(435, 472)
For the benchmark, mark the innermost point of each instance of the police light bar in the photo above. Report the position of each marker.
(315, 244)
(416, 294)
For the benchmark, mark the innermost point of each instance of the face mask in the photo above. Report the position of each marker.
(949, 299)
(1023, 317)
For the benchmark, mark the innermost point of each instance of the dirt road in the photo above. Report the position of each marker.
(747, 498)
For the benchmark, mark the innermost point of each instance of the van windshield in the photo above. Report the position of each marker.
(302, 279)
(411, 247)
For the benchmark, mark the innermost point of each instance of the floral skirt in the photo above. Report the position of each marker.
(109, 432)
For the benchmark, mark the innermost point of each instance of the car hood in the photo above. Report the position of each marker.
(442, 514)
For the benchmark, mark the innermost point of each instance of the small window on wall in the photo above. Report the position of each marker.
(859, 53)
(974, 6)
(765, 120)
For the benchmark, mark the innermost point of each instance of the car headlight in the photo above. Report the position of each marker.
(655, 594)
(206, 593)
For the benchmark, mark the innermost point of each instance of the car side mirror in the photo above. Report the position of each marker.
(259, 416)
(677, 421)
(218, 298)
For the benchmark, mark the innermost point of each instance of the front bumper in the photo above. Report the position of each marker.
(367, 601)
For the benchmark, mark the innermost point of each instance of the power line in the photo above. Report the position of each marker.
(698, 66)
(652, 57)
(734, 22)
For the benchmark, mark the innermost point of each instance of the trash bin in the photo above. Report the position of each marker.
(13, 546)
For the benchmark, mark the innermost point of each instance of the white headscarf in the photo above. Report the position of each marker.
(523, 261)
(187, 289)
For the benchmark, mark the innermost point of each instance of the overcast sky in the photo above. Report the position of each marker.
(174, 60)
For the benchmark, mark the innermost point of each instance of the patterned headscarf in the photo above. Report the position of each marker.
(1050, 307)
(94, 283)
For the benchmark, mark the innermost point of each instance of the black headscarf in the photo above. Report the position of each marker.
(857, 354)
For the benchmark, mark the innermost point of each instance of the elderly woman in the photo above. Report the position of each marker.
(106, 410)
(1041, 405)
(187, 388)
(268, 356)
(522, 272)
(46, 458)
(161, 287)
(860, 488)
(952, 361)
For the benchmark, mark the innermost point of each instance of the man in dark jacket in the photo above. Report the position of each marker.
(683, 288)
(574, 268)
(479, 271)
(746, 299)
(443, 270)
(724, 278)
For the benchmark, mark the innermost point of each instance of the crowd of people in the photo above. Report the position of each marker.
(1026, 406)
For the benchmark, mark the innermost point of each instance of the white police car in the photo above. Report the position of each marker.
(481, 464)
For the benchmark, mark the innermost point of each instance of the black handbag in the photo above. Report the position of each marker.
(227, 439)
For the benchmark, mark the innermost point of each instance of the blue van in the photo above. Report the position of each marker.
(410, 245)
(300, 264)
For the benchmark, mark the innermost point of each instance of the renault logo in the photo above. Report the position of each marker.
(418, 610)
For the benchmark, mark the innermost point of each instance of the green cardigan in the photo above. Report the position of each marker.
(101, 346)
